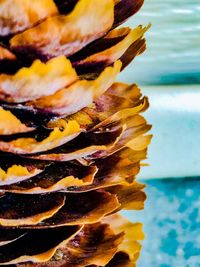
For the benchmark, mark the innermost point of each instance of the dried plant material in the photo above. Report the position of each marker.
(98, 239)
(18, 15)
(140, 143)
(79, 209)
(110, 107)
(57, 137)
(19, 210)
(86, 248)
(125, 9)
(125, 113)
(9, 62)
(79, 95)
(85, 145)
(14, 169)
(71, 138)
(132, 131)
(56, 177)
(108, 49)
(133, 233)
(17, 173)
(41, 79)
(116, 99)
(131, 197)
(89, 20)
(5, 54)
(95, 144)
(9, 124)
(8, 236)
(34, 247)
(117, 169)
(121, 259)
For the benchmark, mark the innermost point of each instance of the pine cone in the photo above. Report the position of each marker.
(71, 138)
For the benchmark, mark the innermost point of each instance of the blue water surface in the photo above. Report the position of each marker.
(173, 43)
(171, 223)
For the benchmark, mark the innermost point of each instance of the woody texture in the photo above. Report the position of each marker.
(71, 138)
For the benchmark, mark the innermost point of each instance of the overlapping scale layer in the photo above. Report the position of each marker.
(71, 138)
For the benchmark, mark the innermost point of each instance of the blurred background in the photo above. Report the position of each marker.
(169, 74)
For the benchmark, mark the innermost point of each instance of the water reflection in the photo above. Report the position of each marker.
(173, 43)
(171, 223)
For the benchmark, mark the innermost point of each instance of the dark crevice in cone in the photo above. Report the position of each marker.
(29, 116)
(65, 6)
(121, 259)
(134, 50)
(40, 134)
(23, 207)
(9, 66)
(52, 175)
(95, 47)
(8, 160)
(11, 62)
(36, 242)
(125, 9)
(9, 235)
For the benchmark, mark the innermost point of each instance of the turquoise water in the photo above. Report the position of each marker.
(173, 54)
(171, 223)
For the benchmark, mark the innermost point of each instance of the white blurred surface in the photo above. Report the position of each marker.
(175, 115)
